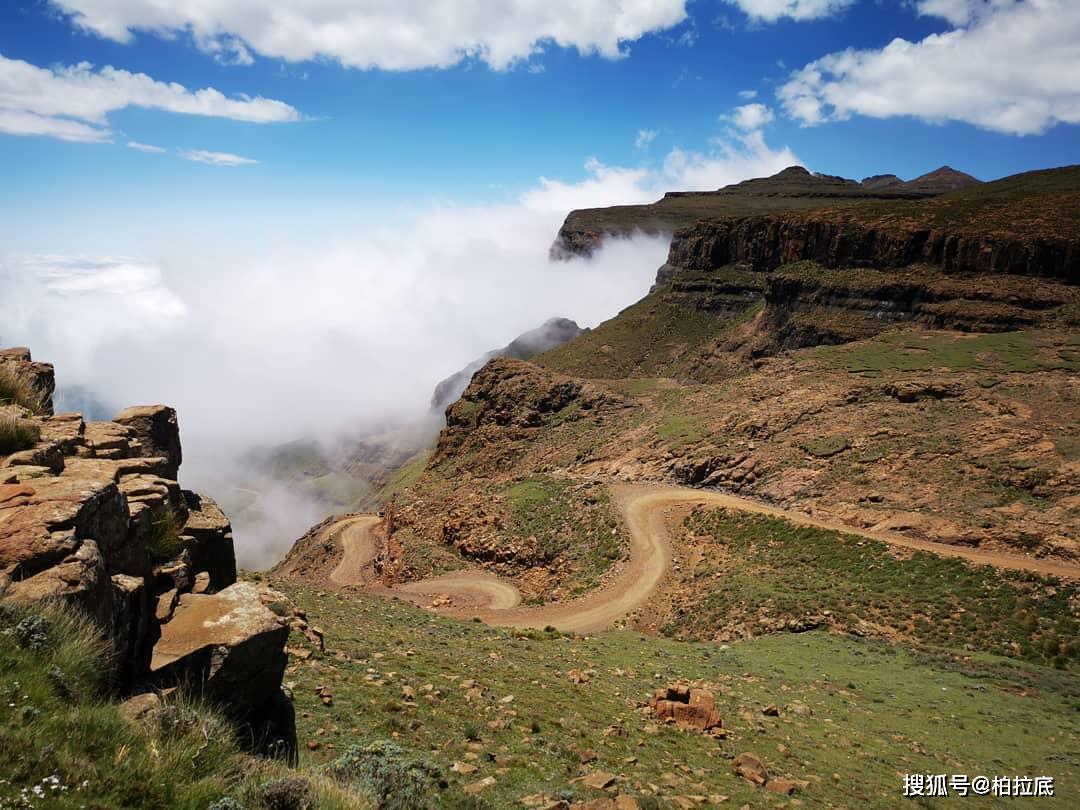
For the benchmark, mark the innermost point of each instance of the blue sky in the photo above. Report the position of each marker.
(373, 142)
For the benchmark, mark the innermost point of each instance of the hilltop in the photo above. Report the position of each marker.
(793, 189)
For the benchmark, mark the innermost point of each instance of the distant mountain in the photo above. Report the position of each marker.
(931, 184)
(793, 189)
(552, 333)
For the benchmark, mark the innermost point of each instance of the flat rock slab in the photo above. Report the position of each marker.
(228, 641)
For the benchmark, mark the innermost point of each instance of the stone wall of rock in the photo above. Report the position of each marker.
(91, 513)
(767, 242)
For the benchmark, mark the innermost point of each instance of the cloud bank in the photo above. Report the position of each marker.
(385, 34)
(1009, 66)
(73, 102)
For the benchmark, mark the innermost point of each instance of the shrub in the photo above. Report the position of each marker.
(226, 803)
(16, 388)
(285, 794)
(16, 433)
(163, 539)
(383, 772)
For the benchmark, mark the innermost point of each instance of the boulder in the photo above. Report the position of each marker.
(691, 708)
(227, 645)
(44, 454)
(107, 440)
(80, 579)
(157, 431)
(66, 429)
(41, 522)
(751, 768)
(207, 535)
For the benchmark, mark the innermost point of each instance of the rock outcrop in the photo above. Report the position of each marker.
(91, 514)
(508, 400)
(550, 334)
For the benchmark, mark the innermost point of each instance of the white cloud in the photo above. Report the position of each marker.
(24, 122)
(748, 94)
(147, 147)
(644, 138)
(216, 158)
(773, 10)
(752, 116)
(73, 102)
(1008, 66)
(387, 34)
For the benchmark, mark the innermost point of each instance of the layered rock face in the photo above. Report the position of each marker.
(767, 242)
(91, 514)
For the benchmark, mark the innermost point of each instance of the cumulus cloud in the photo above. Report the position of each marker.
(216, 158)
(773, 10)
(1007, 66)
(752, 116)
(73, 102)
(386, 34)
(644, 138)
(147, 147)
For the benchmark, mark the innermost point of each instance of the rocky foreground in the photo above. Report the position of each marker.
(91, 514)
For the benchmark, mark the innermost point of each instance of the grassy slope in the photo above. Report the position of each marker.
(64, 743)
(1024, 206)
(652, 338)
(762, 570)
(878, 711)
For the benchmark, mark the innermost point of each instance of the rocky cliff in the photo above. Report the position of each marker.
(767, 242)
(91, 514)
(793, 189)
(548, 335)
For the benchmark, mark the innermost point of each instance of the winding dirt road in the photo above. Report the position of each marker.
(645, 509)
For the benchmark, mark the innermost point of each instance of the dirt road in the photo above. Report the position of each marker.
(645, 509)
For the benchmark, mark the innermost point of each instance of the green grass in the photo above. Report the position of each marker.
(569, 521)
(877, 710)
(163, 539)
(1002, 352)
(16, 388)
(17, 433)
(405, 476)
(338, 489)
(826, 446)
(62, 735)
(759, 572)
(652, 338)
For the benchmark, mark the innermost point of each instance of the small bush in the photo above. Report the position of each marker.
(285, 794)
(383, 772)
(33, 633)
(16, 433)
(16, 388)
(163, 539)
(226, 803)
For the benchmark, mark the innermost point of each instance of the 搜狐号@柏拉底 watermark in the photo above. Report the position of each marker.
(944, 785)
